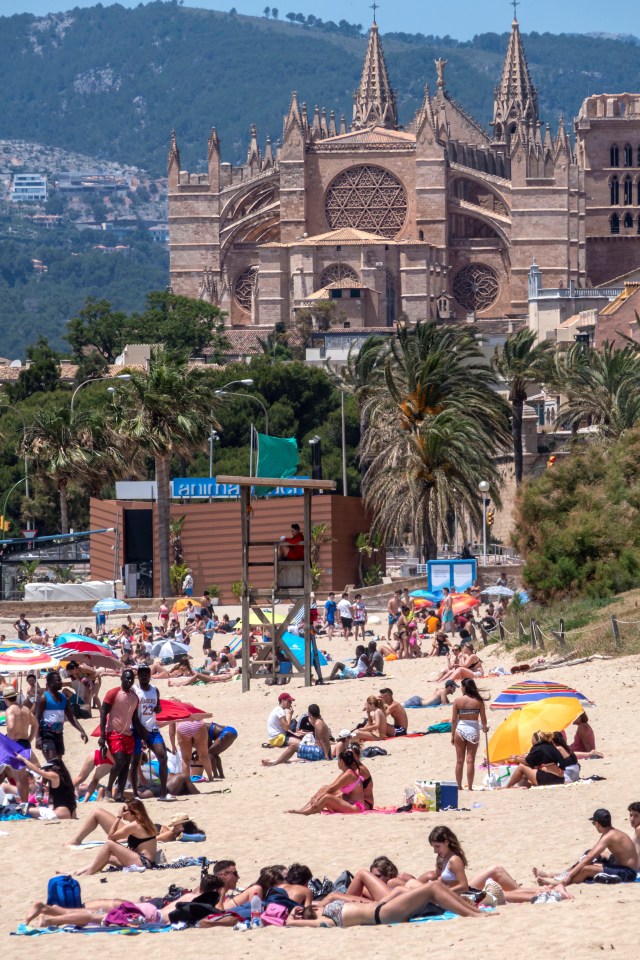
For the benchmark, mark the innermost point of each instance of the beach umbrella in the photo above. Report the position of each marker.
(498, 591)
(513, 736)
(82, 644)
(255, 621)
(181, 604)
(95, 660)
(462, 602)
(20, 661)
(172, 711)
(16, 645)
(109, 604)
(167, 649)
(533, 691)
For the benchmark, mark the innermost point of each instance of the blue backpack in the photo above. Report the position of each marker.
(64, 891)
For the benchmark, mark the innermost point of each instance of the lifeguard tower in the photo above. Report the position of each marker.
(291, 580)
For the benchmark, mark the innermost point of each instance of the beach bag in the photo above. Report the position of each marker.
(64, 891)
(274, 915)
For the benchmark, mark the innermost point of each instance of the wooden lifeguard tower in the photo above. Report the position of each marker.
(291, 579)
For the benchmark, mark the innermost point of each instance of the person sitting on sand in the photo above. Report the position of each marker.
(620, 866)
(469, 665)
(584, 741)
(342, 795)
(367, 782)
(396, 714)
(439, 699)
(468, 716)
(319, 748)
(62, 795)
(440, 646)
(293, 891)
(541, 767)
(279, 722)
(454, 659)
(360, 668)
(399, 906)
(497, 883)
(133, 825)
(634, 820)
(377, 726)
(569, 766)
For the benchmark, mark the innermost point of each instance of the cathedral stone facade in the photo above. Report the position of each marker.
(439, 220)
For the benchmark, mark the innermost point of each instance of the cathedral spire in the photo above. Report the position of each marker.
(374, 102)
(516, 99)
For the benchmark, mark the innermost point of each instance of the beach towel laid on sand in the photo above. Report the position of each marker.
(25, 931)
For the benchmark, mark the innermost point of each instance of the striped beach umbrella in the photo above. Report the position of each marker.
(20, 661)
(533, 691)
(74, 641)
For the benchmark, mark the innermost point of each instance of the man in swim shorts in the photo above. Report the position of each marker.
(21, 729)
(396, 713)
(118, 722)
(393, 612)
(620, 866)
(148, 707)
(330, 608)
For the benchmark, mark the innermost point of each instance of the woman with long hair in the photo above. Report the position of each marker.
(62, 794)
(345, 793)
(468, 715)
(469, 666)
(541, 767)
(377, 726)
(132, 825)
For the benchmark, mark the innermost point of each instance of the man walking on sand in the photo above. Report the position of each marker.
(394, 607)
(620, 866)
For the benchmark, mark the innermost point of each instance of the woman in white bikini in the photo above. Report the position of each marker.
(468, 715)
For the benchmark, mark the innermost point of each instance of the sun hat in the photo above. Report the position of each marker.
(9, 693)
(179, 818)
(344, 734)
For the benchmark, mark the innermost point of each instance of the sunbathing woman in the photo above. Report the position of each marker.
(398, 907)
(269, 877)
(584, 741)
(133, 825)
(374, 883)
(541, 767)
(367, 783)
(454, 660)
(467, 717)
(469, 667)
(377, 727)
(344, 794)
(450, 869)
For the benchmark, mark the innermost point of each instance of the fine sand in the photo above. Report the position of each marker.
(544, 827)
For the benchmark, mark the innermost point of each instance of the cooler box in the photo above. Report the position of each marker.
(448, 795)
(440, 795)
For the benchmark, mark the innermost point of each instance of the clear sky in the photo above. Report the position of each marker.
(458, 18)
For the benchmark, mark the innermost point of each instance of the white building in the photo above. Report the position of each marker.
(29, 187)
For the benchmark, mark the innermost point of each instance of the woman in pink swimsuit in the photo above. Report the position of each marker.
(344, 795)
(192, 735)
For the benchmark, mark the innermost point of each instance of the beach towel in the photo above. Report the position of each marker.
(26, 931)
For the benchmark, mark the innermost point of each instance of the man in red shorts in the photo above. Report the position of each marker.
(118, 715)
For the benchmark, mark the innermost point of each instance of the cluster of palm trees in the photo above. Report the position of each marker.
(165, 411)
(435, 423)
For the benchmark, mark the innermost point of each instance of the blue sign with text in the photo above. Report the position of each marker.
(201, 488)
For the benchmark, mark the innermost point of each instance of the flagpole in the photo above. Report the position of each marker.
(251, 450)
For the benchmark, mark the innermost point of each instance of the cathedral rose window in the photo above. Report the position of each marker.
(476, 287)
(366, 198)
(244, 287)
(338, 272)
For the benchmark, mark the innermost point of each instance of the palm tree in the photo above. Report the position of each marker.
(433, 424)
(167, 411)
(521, 362)
(601, 387)
(61, 445)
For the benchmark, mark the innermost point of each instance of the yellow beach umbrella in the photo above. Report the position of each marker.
(513, 736)
(180, 605)
(255, 621)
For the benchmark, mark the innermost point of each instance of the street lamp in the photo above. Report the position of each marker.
(248, 396)
(119, 376)
(232, 383)
(484, 488)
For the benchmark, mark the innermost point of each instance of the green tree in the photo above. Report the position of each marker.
(182, 324)
(521, 362)
(60, 446)
(432, 427)
(168, 411)
(42, 375)
(97, 327)
(601, 387)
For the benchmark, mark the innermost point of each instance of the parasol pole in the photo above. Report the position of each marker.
(489, 780)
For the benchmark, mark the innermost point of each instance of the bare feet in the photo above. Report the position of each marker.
(35, 911)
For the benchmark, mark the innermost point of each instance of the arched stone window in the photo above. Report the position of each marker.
(614, 156)
(615, 223)
(628, 155)
(628, 221)
(337, 272)
(614, 187)
(628, 191)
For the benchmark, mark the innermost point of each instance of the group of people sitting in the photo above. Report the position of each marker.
(379, 894)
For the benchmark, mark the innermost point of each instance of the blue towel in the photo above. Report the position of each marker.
(25, 931)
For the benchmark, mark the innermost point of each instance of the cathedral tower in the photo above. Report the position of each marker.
(374, 102)
(515, 99)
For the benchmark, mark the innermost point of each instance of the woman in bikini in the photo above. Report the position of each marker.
(220, 737)
(402, 634)
(399, 906)
(132, 825)
(377, 726)
(497, 883)
(469, 666)
(62, 794)
(192, 735)
(468, 714)
(367, 783)
(344, 795)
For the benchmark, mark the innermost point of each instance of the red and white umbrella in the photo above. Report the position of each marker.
(19, 661)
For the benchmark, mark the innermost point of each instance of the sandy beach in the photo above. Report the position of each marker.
(544, 827)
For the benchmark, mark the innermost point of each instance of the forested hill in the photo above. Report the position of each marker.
(113, 82)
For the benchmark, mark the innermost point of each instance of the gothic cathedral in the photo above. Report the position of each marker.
(437, 220)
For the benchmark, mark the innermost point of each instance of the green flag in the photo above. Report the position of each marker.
(277, 457)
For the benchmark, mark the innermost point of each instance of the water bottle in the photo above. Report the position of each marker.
(256, 910)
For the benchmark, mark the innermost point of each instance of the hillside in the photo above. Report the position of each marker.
(112, 82)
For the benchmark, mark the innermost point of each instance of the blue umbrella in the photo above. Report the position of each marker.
(110, 604)
(69, 639)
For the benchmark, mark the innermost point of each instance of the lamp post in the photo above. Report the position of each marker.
(119, 376)
(247, 396)
(484, 488)
(9, 492)
(344, 446)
